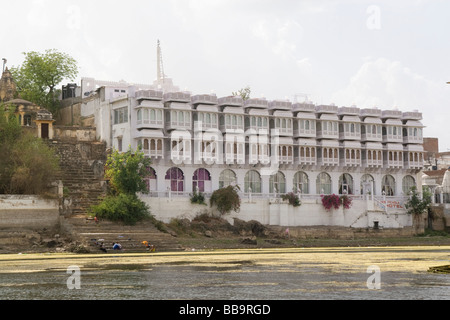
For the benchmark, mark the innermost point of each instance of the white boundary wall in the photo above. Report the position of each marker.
(28, 212)
(279, 213)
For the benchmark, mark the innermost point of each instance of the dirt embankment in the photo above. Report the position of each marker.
(206, 232)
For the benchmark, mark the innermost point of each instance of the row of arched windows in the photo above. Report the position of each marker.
(201, 181)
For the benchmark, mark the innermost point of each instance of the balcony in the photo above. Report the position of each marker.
(328, 134)
(177, 97)
(151, 124)
(280, 105)
(351, 162)
(413, 139)
(306, 160)
(178, 125)
(391, 114)
(149, 95)
(326, 109)
(414, 165)
(235, 101)
(256, 103)
(371, 112)
(153, 153)
(304, 107)
(373, 163)
(233, 158)
(412, 115)
(351, 111)
(210, 99)
(348, 135)
(329, 161)
(398, 164)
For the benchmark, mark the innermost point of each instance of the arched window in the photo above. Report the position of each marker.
(150, 179)
(301, 182)
(201, 180)
(365, 180)
(346, 184)
(252, 181)
(227, 178)
(277, 181)
(175, 179)
(139, 115)
(388, 185)
(407, 183)
(323, 183)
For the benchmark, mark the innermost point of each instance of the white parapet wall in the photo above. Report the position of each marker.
(277, 212)
(28, 212)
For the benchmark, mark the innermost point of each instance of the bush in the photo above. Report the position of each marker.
(126, 208)
(198, 198)
(226, 199)
(292, 198)
(27, 164)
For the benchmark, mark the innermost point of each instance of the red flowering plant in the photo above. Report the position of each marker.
(331, 201)
(346, 201)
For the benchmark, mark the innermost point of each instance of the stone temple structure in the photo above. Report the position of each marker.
(29, 114)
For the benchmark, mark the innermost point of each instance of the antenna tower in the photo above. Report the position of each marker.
(160, 68)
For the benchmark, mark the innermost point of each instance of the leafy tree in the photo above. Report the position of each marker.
(126, 171)
(244, 93)
(226, 199)
(417, 205)
(40, 74)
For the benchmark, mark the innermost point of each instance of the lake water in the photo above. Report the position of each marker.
(285, 274)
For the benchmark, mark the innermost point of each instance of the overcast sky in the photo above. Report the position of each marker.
(385, 54)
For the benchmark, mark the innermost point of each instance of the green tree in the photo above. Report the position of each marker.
(40, 74)
(417, 205)
(27, 164)
(244, 93)
(126, 172)
(226, 199)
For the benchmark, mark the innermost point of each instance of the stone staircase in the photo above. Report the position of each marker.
(81, 173)
(89, 233)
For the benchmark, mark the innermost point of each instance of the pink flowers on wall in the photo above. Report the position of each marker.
(330, 201)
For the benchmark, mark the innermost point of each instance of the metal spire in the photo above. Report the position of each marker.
(160, 68)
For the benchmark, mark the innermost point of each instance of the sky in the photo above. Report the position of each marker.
(384, 54)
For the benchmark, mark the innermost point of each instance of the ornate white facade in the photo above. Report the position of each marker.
(267, 148)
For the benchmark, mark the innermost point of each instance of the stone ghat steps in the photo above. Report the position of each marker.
(83, 186)
(130, 237)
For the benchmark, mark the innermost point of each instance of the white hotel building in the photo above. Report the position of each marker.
(267, 148)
